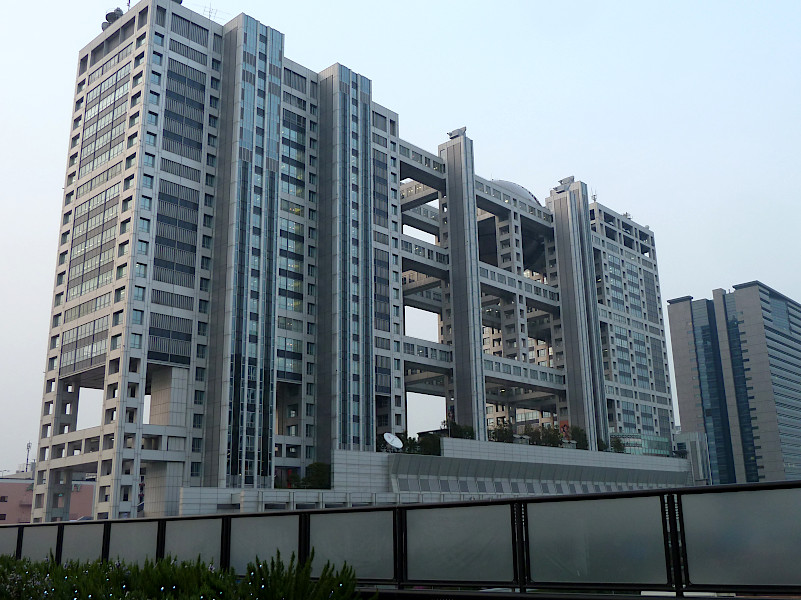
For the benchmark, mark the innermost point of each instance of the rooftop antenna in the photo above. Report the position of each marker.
(594, 195)
(209, 12)
(27, 457)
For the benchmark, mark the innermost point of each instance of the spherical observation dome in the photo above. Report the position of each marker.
(518, 189)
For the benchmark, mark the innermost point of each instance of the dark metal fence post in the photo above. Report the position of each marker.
(401, 564)
(225, 543)
(519, 545)
(59, 542)
(675, 554)
(106, 541)
(20, 533)
(161, 538)
(304, 537)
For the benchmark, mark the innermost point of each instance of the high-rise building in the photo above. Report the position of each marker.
(635, 359)
(240, 238)
(738, 380)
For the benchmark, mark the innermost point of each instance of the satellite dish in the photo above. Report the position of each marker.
(393, 441)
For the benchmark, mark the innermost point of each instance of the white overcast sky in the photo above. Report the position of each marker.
(685, 114)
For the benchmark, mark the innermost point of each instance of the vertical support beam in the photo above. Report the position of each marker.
(673, 520)
(20, 534)
(59, 485)
(580, 325)
(106, 541)
(465, 290)
(59, 543)
(225, 543)
(399, 539)
(304, 537)
(519, 545)
(161, 538)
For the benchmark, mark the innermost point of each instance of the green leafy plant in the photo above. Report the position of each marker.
(501, 433)
(275, 581)
(579, 435)
(318, 476)
(170, 580)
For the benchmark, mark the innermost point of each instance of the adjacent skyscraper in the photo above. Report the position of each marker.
(738, 380)
(235, 258)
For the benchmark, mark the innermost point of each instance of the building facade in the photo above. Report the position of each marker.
(738, 380)
(240, 238)
(16, 498)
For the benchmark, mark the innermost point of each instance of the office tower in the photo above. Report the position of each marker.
(240, 237)
(738, 380)
(635, 360)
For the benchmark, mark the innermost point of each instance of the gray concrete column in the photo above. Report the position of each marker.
(465, 290)
(580, 325)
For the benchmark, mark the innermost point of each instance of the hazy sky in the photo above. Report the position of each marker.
(685, 114)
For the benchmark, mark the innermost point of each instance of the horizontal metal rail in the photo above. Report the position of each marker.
(742, 539)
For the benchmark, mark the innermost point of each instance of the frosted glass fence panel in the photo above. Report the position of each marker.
(597, 541)
(133, 542)
(472, 543)
(262, 537)
(743, 538)
(8, 540)
(39, 542)
(82, 542)
(362, 539)
(186, 540)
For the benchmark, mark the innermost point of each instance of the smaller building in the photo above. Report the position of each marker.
(693, 447)
(465, 470)
(738, 380)
(16, 498)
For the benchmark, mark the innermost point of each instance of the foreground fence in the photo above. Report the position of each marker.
(723, 539)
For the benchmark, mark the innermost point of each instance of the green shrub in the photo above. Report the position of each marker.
(169, 580)
(274, 581)
(25, 579)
